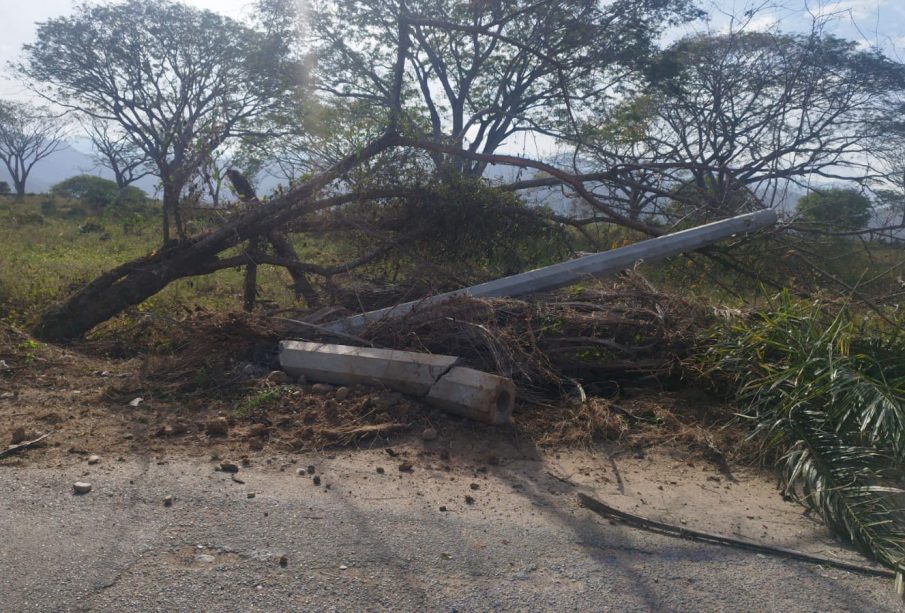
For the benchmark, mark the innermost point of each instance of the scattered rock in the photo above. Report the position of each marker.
(253, 371)
(245, 461)
(391, 452)
(469, 500)
(228, 467)
(278, 377)
(317, 480)
(257, 431)
(301, 471)
(284, 561)
(128, 436)
(429, 434)
(81, 487)
(219, 426)
(174, 429)
(343, 567)
(443, 509)
(311, 469)
(19, 435)
(206, 558)
(406, 467)
(250, 495)
(342, 393)
(380, 470)
(94, 459)
(167, 501)
(6, 395)
(321, 388)
(136, 401)
(475, 486)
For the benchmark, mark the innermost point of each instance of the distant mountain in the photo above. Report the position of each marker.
(72, 160)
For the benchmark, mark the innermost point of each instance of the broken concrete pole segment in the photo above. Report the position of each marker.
(474, 394)
(577, 270)
(403, 371)
(434, 378)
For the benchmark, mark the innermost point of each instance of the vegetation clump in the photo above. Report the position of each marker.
(824, 390)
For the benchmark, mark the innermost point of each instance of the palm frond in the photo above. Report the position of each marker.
(826, 394)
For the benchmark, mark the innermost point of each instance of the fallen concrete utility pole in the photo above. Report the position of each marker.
(437, 379)
(577, 270)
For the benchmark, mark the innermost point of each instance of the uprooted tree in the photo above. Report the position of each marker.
(481, 30)
(399, 89)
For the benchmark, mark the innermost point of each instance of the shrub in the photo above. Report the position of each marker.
(835, 209)
(5, 189)
(97, 194)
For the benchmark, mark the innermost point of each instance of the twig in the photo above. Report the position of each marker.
(22, 446)
(715, 539)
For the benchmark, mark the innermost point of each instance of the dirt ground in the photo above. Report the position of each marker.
(376, 445)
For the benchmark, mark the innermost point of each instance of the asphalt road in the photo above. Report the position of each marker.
(371, 542)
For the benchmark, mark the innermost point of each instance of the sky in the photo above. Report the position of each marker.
(878, 23)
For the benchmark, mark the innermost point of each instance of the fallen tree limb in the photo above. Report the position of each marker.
(650, 525)
(22, 446)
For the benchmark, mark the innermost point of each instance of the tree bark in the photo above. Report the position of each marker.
(138, 280)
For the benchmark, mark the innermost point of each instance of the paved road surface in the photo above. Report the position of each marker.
(372, 542)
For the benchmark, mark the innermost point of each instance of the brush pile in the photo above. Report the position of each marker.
(592, 338)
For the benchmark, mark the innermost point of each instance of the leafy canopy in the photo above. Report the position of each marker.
(835, 209)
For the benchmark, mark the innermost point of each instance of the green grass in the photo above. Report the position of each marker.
(46, 255)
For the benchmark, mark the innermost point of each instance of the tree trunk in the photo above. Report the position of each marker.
(136, 281)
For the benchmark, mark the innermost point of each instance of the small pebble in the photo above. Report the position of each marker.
(81, 487)
(167, 501)
(475, 486)
(429, 434)
(311, 469)
(380, 470)
(284, 561)
(301, 471)
(443, 509)
(342, 393)
(343, 567)
(279, 377)
(321, 388)
(94, 459)
(250, 495)
(405, 467)
(469, 500)
(229, 467)
(317, 480)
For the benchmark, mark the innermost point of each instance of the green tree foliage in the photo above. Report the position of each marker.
(4, 188)
(97, 194)
(177, 81)
(746, 112)
(477, 73)
(456, 230)
(835, 210)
